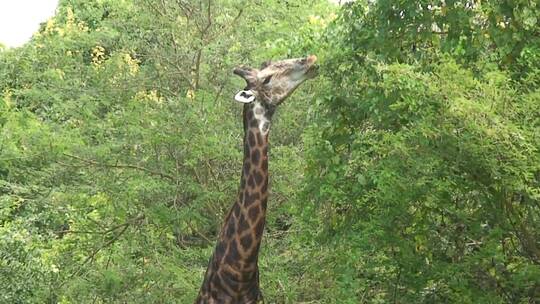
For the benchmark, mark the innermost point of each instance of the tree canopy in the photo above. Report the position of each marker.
(407, 172)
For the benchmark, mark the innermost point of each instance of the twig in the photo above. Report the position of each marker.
(107, 244)
(199, 233)
(210, 38)
(92, 255)
(120, 166)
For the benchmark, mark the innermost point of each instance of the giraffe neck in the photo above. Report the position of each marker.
(233, 272)
(245, 223)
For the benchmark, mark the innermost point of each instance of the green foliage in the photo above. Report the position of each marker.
(422, 182)
(120, 146)
(408, 172)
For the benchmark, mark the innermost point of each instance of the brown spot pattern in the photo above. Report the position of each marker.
(255, 156)
(233, 269)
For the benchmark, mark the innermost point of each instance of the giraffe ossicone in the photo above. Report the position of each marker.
(232, 276)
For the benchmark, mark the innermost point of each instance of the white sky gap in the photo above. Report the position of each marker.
(19, 19)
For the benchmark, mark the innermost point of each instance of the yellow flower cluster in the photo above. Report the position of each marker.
(98, 55)
(49, 26)
(190, 94)
(8, 102)
(133, 64)
(151, 95)
(71, 26)
(320, 21)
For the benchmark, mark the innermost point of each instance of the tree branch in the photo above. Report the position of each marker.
(120, 166)
(93, 254)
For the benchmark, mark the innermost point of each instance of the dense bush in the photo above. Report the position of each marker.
(423, 176)
(408, 172)
(120, 148)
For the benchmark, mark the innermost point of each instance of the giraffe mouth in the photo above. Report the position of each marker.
(313, 71)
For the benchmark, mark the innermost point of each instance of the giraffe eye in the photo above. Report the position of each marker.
(267, 80)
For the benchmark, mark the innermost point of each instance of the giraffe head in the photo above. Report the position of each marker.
(275, 81)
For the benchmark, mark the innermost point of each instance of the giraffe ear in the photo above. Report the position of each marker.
(245, 96)
(266, 64)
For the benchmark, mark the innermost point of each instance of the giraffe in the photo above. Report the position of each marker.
(232, 276)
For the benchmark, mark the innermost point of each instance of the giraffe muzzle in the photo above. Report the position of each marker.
(313, 69)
